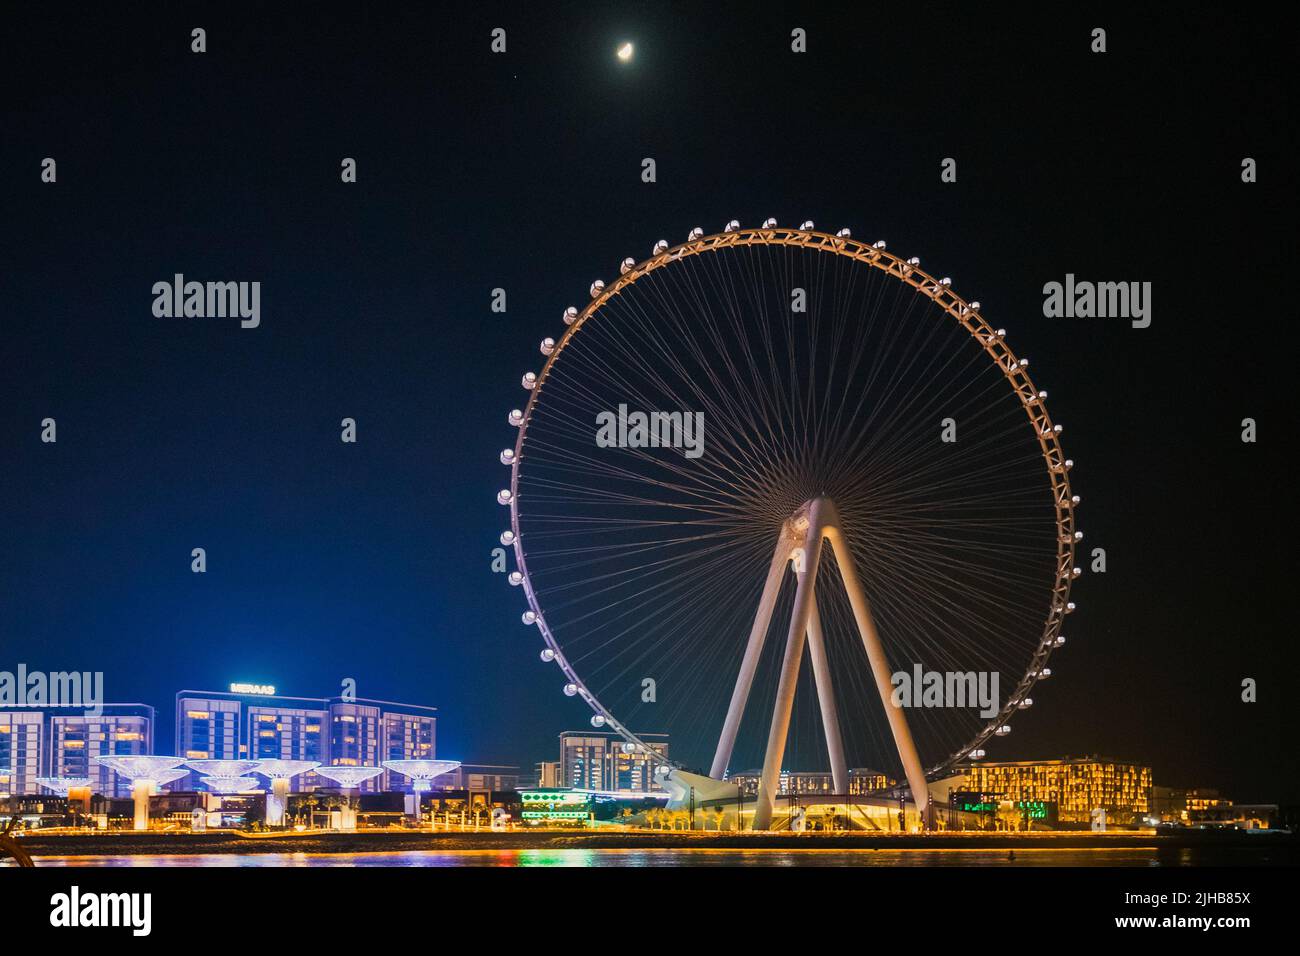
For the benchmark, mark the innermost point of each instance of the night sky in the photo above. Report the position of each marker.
(522, 171)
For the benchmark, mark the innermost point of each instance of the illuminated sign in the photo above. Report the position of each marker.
(552, 797)
(262, 690)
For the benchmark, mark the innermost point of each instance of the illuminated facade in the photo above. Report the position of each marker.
(252, 722)
(1075, 784)
(596, 761)
(65, 743)
(549, 774)
(813, 783)
(22, 736)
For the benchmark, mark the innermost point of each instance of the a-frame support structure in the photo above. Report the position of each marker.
(800, 545)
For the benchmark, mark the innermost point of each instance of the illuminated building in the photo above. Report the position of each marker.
(62, 742)
(1075, 784)
(76, 790)
(22, 735)
(253, 722)
(601, 761)
(1203, 799)
(548, 774)
(562, 807)
(813, 783)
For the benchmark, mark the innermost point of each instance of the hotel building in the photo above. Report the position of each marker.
(75, 740)
(252, 722)
(63, 742)
(596, 761)
(813, 783)
(22, 741)
(1075, 784)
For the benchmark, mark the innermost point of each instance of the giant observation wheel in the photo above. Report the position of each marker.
(837, 387)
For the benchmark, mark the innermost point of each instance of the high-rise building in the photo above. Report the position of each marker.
(253, 722)
(22, 739)
(64, 742)
(1076, 784)
(75, 740)
(601, 761)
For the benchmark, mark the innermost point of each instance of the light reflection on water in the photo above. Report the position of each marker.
(643, 858)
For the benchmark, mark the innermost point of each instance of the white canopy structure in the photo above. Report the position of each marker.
(147, 775)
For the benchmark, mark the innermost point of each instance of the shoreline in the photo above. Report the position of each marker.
(232, 842)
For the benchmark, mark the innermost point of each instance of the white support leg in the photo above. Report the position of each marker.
(880, 670)
(753, 650)
(803, 603)
(826, 698)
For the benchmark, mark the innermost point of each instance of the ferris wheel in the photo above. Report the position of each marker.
(769, 441)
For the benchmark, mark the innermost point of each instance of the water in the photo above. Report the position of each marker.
(1137, 857)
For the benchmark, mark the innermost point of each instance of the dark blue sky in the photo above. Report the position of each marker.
(521, 171)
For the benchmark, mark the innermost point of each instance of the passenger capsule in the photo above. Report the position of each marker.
(570, 315)
(731, 226)
(597, 288)
(570, 690)
(1060, 640)
(694, 234)
(547, 655)
(626, 265)
(976, 755)
(547, 346)
(769, 223)
(1044, 673)
(529, 616)
(914, 261)
(1023, 363)
(975, 306)
(529, 380)
(598, 720)
(516, 578)
(1003, 730)
(1026, 703)
(844, 233)
(504, 497)
(878, 244)
(660, 248)
(516, 417)
(1075, 572)
(807, 225)
(1075, 499)
(1042, 395)
(507, 456)
(945, 282)
(507, 538)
